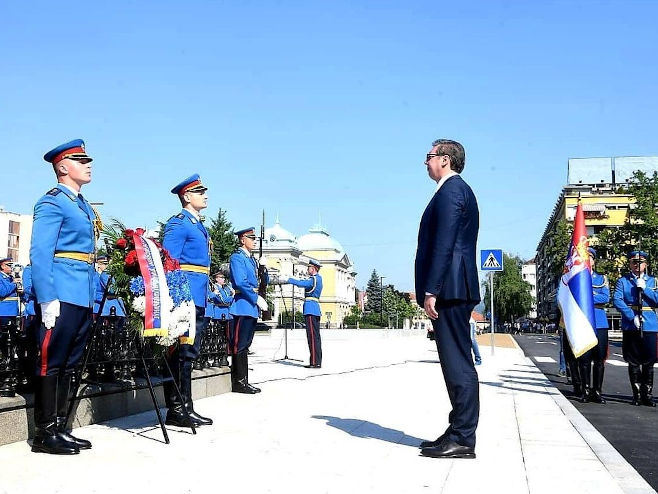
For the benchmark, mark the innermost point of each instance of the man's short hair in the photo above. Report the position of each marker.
(454, 151)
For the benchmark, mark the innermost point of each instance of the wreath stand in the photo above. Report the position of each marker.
(141, 347)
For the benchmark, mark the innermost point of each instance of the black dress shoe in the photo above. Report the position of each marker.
(47, 440)
(244, 388)
(433, 444)
(175, 416)
(449, 449)
(199, 419)
(313, 366)
(80, 443)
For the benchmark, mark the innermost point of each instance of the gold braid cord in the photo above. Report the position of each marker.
(98, 223)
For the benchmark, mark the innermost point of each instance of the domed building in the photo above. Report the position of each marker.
(287, 256)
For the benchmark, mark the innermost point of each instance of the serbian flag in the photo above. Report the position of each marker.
(158, 301)
(574, 293)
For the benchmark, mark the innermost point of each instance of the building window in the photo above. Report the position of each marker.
(13, 239)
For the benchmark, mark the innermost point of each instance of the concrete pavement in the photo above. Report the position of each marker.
(351, 427)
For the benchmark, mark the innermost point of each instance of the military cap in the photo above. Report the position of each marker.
(592, 252)
(102, 258)
(245, 230)
(5, 259)
(190, 184)
(315, 263)
(74, 149)
(639, 255)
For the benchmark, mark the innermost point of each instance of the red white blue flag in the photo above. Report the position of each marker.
(574, 292)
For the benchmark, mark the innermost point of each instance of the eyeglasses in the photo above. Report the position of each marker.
(252, 237)
(429, 156)
(638, 261)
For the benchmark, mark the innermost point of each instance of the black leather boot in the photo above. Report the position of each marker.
(186, 391)
(175, 413)
(646, 398)
(597, 383)
(240, 375)
(63, 387)
(575, 377)
(634, 376)
(47, 439)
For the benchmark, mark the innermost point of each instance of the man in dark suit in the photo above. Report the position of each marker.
(448, 288)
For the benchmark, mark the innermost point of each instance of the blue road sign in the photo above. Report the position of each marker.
(491, 260)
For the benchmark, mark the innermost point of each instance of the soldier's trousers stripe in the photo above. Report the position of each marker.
(309, 325)
(44, 352)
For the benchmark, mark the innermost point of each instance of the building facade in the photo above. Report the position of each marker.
(288, 256)
(529, 274)
(597, 183)
(15, 236)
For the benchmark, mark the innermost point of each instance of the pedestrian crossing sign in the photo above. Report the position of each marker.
(491, 260)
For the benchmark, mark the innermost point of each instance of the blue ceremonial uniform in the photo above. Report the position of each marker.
(223, 302)
(9, 300)
(28, 292)
(244, 278)
(112, 302)
(638, 346)
(188, 242)
(626, 302)
(601, 293)
(63, 229)
(62, 255)
(312, 291)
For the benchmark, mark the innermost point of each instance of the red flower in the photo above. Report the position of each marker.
(122, 243)
(131, 258)
(171, 264)
(129, 233)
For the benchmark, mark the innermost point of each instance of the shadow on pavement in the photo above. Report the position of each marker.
(505, 385)
(366, 429)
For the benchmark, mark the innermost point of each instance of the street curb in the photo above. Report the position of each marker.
(629, 480)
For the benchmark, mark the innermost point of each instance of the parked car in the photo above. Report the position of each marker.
(261, 326)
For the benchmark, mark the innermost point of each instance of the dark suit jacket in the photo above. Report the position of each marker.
(446, 258)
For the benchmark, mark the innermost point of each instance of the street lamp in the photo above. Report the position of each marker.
(381, 299)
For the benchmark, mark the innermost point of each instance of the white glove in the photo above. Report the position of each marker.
(262, 303)
(50, 313)
(636, 321)
(281, 281)
(641, 283)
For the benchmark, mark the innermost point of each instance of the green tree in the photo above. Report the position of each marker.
(558, 244)
(224, 241)
(512, 298)
(374, 294)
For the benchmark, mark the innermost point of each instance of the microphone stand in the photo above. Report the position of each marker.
(285, 330)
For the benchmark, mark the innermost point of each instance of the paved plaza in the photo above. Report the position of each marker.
(351, 427)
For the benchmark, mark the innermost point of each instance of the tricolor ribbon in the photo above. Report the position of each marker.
(158, 301)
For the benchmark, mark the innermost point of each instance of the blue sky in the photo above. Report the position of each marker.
(326, 108)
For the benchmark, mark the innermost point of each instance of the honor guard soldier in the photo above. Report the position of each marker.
(188, 242)
(636, 296)
(224, 297)
(592, 363)
(244, 309)
(64, 235)
(9, 310)
(312, 291)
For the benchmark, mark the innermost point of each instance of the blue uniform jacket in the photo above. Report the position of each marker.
(225, 295)
(625, 300)
(445, 258)
(9, 301)
(110, 301)
(601, 292)
(312, 291)
(28, 292)
(188, 242)
(244, 278)
(63, 222)
(211, 308)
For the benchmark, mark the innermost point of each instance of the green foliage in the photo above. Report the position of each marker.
(638, 232)
(558, 244)
(354, 317)
(374, 293)
(512, 298)
(286, 317)
(224, 241)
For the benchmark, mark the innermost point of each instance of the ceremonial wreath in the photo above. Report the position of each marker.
(159, 299)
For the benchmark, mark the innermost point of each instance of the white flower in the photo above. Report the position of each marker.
(139, 304)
